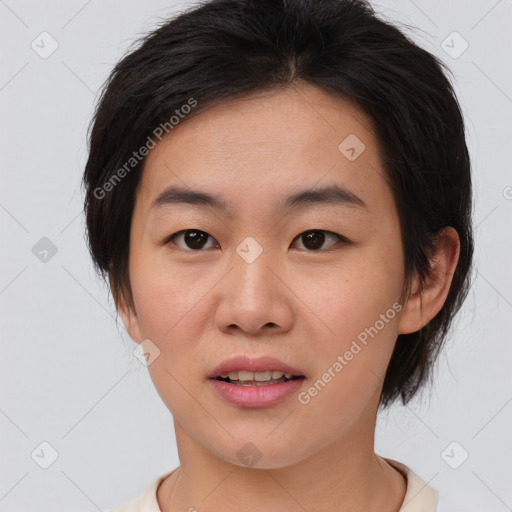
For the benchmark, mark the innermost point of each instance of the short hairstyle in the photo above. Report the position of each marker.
(225, 49)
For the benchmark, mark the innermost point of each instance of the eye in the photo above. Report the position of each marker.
(315, 238)
(193, 238)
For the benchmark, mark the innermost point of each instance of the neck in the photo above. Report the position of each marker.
(343, 475)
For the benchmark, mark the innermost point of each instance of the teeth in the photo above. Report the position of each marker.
(262, 376)
(243, 375)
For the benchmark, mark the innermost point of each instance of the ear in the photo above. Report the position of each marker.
(126, 310)
(424, 303)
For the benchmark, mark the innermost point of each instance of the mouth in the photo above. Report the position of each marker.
(255, 383)
(247, 378)
(262, 371)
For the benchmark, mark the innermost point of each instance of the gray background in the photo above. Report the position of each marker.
(68, 374)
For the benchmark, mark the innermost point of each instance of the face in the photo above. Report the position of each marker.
(314, 282)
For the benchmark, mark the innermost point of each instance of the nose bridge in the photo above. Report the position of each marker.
(253, 297)
(252, 273)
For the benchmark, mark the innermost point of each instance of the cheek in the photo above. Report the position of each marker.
(354, 295)
(359, 309)
(167, 297)
(168, 304)
(352, 362)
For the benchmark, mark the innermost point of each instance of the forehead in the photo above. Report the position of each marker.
(269, 145)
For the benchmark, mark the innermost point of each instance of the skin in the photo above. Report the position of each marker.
(303, 306)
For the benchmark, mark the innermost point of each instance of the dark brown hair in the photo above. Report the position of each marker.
(224, 49)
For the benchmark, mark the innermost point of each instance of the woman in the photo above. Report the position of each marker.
(280, 195)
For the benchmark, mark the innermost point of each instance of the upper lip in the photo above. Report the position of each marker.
(260, 364)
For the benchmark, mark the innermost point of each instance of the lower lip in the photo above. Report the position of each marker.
(256, 396)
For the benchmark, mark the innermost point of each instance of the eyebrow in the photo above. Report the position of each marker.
(329, 195)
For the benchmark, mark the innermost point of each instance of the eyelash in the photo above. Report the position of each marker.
(340, 238)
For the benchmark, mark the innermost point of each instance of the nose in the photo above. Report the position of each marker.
(254, 298)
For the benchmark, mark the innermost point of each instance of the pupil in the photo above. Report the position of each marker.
(195, 239)
(314, 238)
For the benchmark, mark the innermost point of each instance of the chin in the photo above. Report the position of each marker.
(262, 454)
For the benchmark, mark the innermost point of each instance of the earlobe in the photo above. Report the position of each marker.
(425, 302)
(129, 318)
(411, 317)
